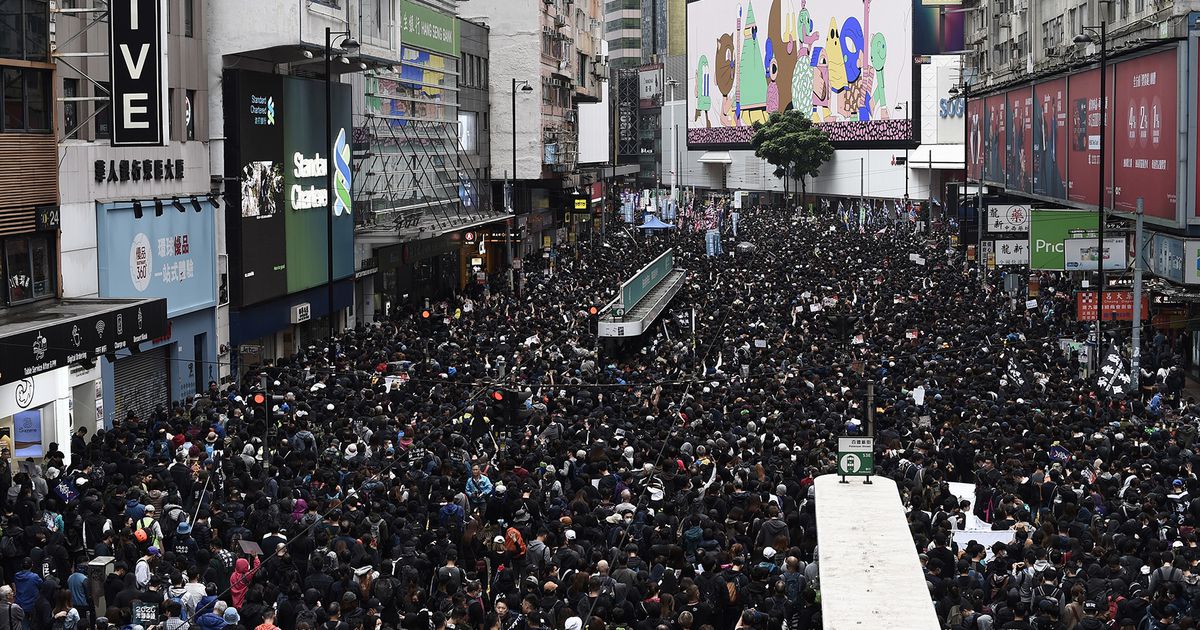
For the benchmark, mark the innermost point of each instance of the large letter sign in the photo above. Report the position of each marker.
(139, 73)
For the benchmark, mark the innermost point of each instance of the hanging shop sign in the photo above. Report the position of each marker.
(138, 69)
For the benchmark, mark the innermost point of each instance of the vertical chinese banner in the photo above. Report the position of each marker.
(996, 139)
(1050, 139)
(1019, 139)
(1083, 163)
(975, 139)
(1144, 118)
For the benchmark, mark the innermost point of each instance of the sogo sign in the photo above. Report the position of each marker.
(137, 60)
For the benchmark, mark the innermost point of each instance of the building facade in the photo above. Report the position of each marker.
(55, 337)
(534, 106)
(118, 199)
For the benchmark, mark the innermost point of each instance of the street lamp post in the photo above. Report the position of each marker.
(965, 92)
(905, 109)
(1089, 35)
(674, 138)
(512, 191)
(348, 45)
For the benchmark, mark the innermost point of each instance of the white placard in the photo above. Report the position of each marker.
(1031, 304)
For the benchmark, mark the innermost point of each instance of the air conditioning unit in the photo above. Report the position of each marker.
(560, 21)
(600, 69)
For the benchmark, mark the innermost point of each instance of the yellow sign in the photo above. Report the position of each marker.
(546, 243)
(581, 204)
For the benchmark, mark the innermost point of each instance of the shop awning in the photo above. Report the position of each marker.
(938, 157)
(716, 157)
(43, 337)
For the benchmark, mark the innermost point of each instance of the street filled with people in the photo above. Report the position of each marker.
(486, 463)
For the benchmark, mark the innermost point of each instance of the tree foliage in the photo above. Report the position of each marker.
(791, 143)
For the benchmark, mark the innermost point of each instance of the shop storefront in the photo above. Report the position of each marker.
(49, 375)
(169, 255)
(282, 327)
(413, 271)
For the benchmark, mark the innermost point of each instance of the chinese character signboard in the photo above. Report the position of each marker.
(1118, 305)
(1012, 252)
(421, 27)
(1008, 218)
(169, 256)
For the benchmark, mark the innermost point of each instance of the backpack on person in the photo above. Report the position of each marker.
(692, 537)
(1047, 593)
(307, 616)
(729, 590)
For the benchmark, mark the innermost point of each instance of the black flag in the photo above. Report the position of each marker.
(1013, 373)
(1114, 374)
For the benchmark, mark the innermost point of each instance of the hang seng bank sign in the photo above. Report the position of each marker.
(138, 66)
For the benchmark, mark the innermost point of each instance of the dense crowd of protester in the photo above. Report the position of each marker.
(485, 464)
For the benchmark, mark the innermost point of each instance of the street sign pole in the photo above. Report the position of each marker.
(856, 457)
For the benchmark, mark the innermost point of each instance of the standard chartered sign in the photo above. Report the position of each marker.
(304, 197)
(1047, 231)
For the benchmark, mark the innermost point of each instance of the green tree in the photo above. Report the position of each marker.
(796, 147)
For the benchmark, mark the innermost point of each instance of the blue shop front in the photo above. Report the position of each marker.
(166, 250)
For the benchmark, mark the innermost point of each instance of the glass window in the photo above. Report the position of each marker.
(70, 108)
(43, 284)
(468, 138)
(37, 30)
(104, 118)
(37, 100)
(171, 16)
(14, 99)
(17, 268)
(189, 17)
(28, 268)
(189, 114)
(10, 29)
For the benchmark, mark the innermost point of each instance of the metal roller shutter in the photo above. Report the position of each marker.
(141, 382)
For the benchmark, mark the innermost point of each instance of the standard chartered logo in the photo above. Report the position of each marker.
(341, 183)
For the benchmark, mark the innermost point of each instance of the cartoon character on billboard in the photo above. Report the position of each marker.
(835, 61)
(703, 100)
(751, 90)
(878, 60)
(802, 77)
(860, 78)
(822, 92)
(781, 59)
(726, 75)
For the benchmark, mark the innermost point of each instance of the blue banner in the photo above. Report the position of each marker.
(172, 256)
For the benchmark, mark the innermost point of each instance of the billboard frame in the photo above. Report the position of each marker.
(1188, 184)
(914, 109)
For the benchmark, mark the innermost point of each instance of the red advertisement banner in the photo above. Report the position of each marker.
(1050, 139)
(1145, 104)
(975, 143)
(1118, 305)
(996, 152)
(1083, 162)
(1019, 140)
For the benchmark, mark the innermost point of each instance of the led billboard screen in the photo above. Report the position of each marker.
(847, 64)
